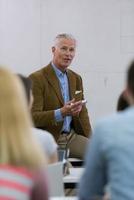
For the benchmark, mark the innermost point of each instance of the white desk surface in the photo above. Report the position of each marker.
(74, 176)
(63, 198)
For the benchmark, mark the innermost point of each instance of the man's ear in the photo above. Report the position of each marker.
(53, 49)
(128, 96)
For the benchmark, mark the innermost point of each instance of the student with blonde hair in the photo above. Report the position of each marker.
(21, 159)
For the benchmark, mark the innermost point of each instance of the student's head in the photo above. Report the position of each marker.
(122, 103)
(16, 140)
(129, 93)
(27, 83)
(63, 50)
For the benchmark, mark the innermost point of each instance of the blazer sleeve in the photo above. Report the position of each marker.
(40, 116)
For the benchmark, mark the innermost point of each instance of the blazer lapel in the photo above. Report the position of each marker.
(72, 84)
(53, 80)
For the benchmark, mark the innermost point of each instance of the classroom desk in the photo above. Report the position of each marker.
(71, 180)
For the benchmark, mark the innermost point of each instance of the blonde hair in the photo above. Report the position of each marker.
(17, 144)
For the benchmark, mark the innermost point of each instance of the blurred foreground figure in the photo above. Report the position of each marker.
(45, 138)
(110, 157)
(21, 159)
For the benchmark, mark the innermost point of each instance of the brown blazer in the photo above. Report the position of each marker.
(48, 97)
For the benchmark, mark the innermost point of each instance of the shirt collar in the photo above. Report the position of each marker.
(57, 71)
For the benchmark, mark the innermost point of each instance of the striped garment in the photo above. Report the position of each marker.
(16, 183)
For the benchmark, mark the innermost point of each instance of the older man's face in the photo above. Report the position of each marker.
(63, 53)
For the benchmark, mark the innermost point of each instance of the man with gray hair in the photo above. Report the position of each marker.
(58, 94)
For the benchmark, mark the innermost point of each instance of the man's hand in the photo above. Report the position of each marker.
(71, 108)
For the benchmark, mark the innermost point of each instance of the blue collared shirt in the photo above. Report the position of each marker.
(63, 80)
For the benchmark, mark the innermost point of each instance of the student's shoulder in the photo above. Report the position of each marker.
(43, 134)
(108, 126)
(106, 120)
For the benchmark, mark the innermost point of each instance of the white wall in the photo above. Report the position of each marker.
(20, 34)
(104, 30)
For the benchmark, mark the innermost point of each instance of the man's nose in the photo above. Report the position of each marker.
(68, 52)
